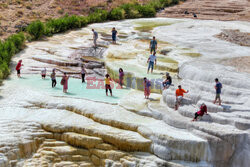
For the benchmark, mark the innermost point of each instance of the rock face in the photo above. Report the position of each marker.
(210, 10)
(41, 126)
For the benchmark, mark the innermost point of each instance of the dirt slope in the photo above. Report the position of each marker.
(210, 9)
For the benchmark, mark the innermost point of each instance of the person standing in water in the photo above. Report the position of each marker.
(153, 45)
(107, 84)
(83, 72)
(18, 68)
(95, 37)
(121, 77)
(53, 78)
(147, 85)
(218, 88)
(179, 93)
(151, 62)
(114, 34)
(43, 73)
(64, 82)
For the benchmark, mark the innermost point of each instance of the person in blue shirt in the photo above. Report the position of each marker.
(218, 88)
(153, 45)
(114, 34)
(151, 62)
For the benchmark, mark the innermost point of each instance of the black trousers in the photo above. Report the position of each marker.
(53, 83)
(83, 78)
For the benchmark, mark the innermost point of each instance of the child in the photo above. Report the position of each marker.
(43, 73)
(147, 85)
(18, 68)
(203, 109)
(121, 76)
(107, 84)
(53, 78)
(64, 82)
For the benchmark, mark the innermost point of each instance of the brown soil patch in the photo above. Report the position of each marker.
(242, 64)
(210, 10)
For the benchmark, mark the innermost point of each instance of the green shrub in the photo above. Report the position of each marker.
(146, 10)
(157, 5)
(4, 70)
(18, 41)
(117, 14)
(130, 11)
(36, 29)
(98, 16)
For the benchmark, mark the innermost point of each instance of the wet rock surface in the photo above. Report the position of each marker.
(45, 127)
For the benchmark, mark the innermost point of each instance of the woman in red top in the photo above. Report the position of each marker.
(203, 109)
(18, 68)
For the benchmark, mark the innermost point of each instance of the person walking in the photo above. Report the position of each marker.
(64, 82)
(95, 37)
(218, 87)
(43, 73)
(83, 72)
(53, 78)
(114, 34)
(121, 77)
(147, 85)
(179, 93)
(167, 82)
(203, 110)
(107, 84)
(18, 68)
(151, 62)
(153, 45)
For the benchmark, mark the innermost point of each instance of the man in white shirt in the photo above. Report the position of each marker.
(151, 62)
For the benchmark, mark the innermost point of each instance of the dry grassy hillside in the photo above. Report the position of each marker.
(17, 13)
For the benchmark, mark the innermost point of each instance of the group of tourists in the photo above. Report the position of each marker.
(179, 93)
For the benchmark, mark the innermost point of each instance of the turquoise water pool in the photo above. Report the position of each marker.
(94, 91)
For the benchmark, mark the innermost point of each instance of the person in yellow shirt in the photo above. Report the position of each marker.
(107, 84)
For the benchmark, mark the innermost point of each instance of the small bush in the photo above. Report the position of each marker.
(36, 29)
(130, 11)
(117, 14)
(146, 10)
(17, 40)
(4, 70)
(98, 16)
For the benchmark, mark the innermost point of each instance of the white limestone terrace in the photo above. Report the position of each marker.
(86, 128)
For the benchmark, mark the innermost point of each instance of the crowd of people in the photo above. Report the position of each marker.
(179, 93)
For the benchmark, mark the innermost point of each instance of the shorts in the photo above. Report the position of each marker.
(43, 75)
(151, 65)
(114, 38)
(179, 99)
(152, 49)
(18, 71)
(217, 96)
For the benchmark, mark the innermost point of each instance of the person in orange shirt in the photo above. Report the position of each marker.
(179, 93)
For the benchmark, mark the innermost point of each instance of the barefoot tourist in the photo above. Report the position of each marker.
(53, 78)
(151, 62)
(153, 45)
(147, 85)
(167, 82)
(218, 88)
(64, 82)
(203, 110)
(114, 34)
(121, 77)
(18, 68)
(83, 72)
(95, 37)
(43, 73)
(179, 93)
(107, 84)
